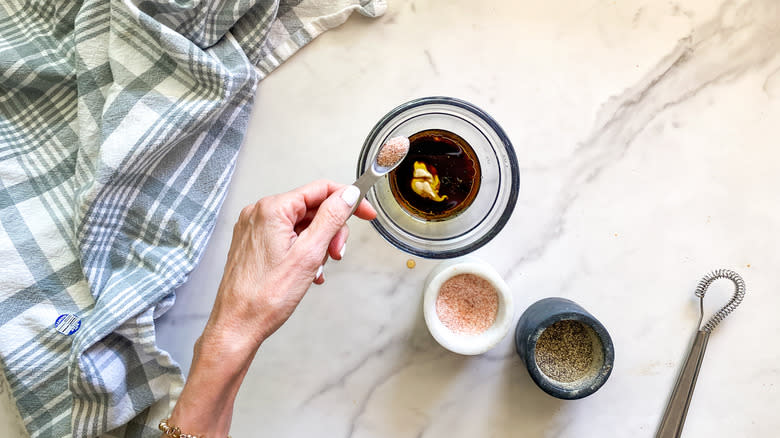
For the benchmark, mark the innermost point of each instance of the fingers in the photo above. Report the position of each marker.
(336, 250)
(295, 205)
(365, 211)
(331, 216)
(338, 244)
(316, 192)
(321, 229)
(319, 277)
(304, 221)
(309, 197)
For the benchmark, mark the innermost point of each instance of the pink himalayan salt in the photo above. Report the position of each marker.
(393, 151)
(467, 304)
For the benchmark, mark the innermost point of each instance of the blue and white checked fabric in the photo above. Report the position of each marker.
(120, 122)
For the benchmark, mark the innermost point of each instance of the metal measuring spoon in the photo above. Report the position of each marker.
(388, 158)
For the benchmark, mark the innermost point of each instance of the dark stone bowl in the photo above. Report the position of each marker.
(543, 314)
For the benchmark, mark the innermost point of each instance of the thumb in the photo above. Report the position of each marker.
(330, 217)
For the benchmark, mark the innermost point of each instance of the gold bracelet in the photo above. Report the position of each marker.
(174, 431)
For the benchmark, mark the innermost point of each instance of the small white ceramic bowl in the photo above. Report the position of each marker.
(458, 342)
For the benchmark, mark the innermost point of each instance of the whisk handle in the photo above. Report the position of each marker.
(674, 417)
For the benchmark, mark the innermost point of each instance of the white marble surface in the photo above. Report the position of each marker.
(647, 134)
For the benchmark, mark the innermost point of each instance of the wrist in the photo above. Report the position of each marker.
(233, 329)
(219, 365)
(247, 316)
(226, 348)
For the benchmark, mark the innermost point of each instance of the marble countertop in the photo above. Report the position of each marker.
(647, 135)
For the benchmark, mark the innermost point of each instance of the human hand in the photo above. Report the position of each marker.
(280, 245)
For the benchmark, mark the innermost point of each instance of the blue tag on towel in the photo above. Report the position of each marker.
(67, 324)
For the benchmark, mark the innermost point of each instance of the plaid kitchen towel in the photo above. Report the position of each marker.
(120, 122)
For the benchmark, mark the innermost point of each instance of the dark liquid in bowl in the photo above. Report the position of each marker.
(447, 156)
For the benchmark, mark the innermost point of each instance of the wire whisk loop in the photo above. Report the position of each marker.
(720, 315)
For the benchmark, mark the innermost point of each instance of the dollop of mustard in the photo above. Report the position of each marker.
(425, 183)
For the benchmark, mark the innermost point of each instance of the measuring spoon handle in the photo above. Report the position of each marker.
(364, 183)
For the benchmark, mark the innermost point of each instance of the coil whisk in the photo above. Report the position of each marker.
(674, 417)
(720, 315)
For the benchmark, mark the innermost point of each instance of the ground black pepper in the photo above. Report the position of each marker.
(564, 351)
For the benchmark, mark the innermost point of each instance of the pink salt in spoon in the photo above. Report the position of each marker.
(388, 158)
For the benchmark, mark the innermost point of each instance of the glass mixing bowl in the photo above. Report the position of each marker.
(490, 209)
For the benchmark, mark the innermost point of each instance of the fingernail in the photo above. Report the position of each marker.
(319, 272)
(350, 195)
(343, 248)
